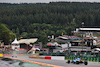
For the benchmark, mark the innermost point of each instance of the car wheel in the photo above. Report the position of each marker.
(68, 61)
(77, 62)
(85, 63)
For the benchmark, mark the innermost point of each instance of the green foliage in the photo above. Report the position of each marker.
(5, 34)
(99, 44)
(42, 20)
(96, 34)
(17, 32)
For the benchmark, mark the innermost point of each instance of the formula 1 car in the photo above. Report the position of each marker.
(78, 61)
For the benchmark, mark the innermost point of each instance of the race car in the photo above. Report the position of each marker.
(78, 61)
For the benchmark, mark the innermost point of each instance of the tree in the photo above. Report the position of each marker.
(17, 32)
(5, 34)
(24, 34)
(32, 20)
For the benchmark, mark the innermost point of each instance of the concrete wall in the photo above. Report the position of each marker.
(57, 58)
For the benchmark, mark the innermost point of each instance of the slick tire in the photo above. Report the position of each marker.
(68, 61)
(77, 62)
(85, 63)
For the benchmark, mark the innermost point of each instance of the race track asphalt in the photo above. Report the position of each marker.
(61, 63)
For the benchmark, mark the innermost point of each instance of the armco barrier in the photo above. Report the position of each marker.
(94, 59)
(48, 57)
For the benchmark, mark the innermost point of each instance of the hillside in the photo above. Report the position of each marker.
(44, 19)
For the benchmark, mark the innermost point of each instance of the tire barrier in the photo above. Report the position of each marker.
(94, 59)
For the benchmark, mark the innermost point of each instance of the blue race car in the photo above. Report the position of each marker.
(78, 61)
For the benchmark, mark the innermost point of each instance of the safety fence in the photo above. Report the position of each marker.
(52, 54)
(13, 52)
(89, 56)
(94, 59)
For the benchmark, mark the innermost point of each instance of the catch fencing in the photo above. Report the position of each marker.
(89, 56)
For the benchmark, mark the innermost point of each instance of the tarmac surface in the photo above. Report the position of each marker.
(61, 63)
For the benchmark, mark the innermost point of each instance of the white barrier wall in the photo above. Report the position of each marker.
(57, 58)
